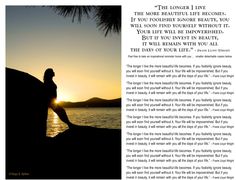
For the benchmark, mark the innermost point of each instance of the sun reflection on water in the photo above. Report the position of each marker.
(54, 124)
(95, 117)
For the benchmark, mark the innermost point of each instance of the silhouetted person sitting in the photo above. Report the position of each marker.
(51, 91)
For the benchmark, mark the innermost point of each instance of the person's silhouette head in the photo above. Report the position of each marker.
(48, 74)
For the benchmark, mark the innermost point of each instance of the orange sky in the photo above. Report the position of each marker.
(86, 63)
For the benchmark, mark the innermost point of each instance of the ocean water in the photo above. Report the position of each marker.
(95, 117)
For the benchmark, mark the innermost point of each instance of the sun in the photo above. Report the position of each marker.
(62, 96)
(57, 101)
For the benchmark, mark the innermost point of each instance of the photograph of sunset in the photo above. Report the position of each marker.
(63, 92)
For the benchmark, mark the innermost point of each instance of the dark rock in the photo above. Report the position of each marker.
(79, 152)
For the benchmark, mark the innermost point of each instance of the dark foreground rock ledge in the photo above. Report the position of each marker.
(79, 152)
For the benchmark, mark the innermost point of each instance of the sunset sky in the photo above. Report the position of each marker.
(86, 63)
